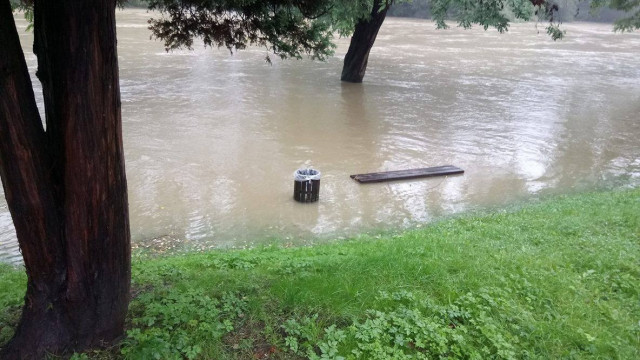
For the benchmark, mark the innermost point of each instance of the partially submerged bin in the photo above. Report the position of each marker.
(306, 185)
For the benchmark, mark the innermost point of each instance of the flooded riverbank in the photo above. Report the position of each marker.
(212, 140)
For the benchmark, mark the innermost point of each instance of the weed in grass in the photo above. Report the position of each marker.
(178, 325)
(476, 326)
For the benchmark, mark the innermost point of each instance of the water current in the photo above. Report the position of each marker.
(212, 139)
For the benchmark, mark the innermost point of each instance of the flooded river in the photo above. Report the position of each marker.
(212, 140)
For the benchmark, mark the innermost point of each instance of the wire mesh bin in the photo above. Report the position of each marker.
(306, 185)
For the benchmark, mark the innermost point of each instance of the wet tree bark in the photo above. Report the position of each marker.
(65, 186)
(357, 57)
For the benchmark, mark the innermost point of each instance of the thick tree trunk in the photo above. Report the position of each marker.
(355, 62)
(66, 186)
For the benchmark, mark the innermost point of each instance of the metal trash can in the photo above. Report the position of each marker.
(306, 185)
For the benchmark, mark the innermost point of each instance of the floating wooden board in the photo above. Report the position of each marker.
(407, 174)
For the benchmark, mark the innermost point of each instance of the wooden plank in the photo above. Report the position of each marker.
(407, 174)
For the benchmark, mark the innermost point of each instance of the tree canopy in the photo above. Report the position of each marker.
(284, 27)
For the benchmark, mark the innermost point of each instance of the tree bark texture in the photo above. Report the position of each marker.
(364, 35)
(65, 185)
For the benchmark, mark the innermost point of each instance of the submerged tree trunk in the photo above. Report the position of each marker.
(364, 35)
(65, 186)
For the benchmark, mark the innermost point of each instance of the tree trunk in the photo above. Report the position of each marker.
(355, 62)
(66, 187)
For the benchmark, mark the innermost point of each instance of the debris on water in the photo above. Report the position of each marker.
(160, 244)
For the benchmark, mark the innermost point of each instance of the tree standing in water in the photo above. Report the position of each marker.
(467, 13)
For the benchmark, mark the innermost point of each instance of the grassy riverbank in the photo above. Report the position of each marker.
(555, 279)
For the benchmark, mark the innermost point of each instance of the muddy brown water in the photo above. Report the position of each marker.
(212, 140)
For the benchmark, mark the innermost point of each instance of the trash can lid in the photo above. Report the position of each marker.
(306, 174)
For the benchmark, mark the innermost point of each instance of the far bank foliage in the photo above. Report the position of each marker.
(569, 10)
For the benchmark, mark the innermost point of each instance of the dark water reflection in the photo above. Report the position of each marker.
(212, 140)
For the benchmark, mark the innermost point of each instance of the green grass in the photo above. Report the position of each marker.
(12, 289)
(558, 279)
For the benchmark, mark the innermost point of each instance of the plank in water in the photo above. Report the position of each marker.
(407, 174)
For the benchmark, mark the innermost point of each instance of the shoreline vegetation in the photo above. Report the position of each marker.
(559, 278)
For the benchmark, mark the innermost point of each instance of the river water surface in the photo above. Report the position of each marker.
(212, 140)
